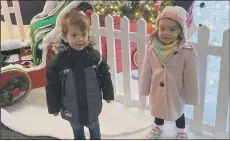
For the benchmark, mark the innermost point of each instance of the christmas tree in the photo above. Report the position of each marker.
(132, 9)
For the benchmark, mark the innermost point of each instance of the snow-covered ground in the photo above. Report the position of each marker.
(117, 121)
(215, 15)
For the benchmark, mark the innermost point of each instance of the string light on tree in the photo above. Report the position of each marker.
(151, 19)
(132, 9)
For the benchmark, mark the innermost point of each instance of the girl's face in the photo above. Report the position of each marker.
(168, 31)
(76, 38)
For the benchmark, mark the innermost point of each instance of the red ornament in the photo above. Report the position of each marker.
(140, 5)
(89, 13)
(156, 7)
(16, 92)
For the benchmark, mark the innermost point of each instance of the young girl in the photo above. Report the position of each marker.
(169, 73)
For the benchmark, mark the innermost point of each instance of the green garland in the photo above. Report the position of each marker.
(13, 89)
(132, 9)
(6, 92)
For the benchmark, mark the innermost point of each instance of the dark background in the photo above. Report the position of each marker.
(31, 8)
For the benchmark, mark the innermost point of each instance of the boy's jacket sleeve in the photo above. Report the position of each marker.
(106, 82)
(53, 89)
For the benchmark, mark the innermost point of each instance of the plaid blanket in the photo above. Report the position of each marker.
(9, 134)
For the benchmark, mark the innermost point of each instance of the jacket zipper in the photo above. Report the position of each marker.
(63, 93)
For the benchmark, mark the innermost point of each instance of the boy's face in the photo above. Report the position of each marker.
(168, 31)
(76, 38)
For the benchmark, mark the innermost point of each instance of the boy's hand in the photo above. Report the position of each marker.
(108, 101)
(55, 114)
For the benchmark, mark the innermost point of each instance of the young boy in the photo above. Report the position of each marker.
(78, 78)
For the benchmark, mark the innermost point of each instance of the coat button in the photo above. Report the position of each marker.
(175, 52)
(162, 84)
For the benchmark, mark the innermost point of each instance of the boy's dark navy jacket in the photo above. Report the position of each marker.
(77, 81)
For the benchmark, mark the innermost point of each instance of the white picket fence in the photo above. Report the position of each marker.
(203, 50)
(5, 11)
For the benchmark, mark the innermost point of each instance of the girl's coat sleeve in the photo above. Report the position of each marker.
(145, 75)
(191, 81)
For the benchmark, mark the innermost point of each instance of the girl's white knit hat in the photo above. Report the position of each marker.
(175, 13)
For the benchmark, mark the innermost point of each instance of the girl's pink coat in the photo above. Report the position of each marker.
(178, 73)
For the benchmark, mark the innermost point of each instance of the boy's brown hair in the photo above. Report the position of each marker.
(75, 18)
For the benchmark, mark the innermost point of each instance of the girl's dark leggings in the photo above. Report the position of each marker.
(180, 122)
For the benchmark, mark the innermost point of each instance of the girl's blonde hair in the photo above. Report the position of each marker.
(180, 36)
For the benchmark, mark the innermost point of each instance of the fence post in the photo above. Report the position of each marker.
(126, 62)
(111, 49)
(96, 31)
(202, 49)
(18, 17)
(6, 14)
(223, 92)
(141, 44)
